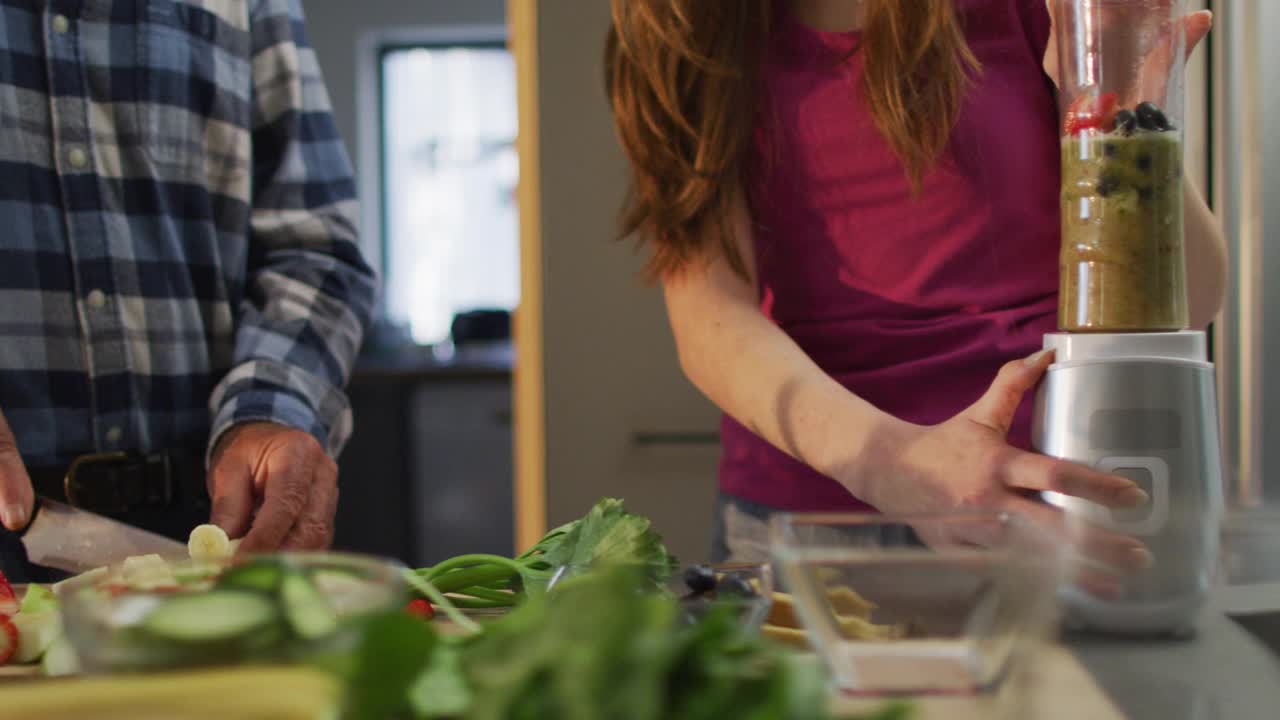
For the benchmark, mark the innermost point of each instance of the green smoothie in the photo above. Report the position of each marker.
(1122, 262)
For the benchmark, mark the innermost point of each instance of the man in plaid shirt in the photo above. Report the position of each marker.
(181, 290)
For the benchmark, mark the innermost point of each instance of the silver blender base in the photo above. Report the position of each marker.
(1141, 405)
(1177, 618)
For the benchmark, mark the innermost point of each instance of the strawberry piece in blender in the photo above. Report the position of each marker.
(1090, 112)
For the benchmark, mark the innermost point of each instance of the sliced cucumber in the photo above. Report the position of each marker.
(36, 631)
(260, 576)
(348, 593)
(211, 617)
(335, 580)
(60, 658)
(309, 614)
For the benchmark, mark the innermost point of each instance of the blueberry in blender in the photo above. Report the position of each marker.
(1126, 122)
(1151, 117)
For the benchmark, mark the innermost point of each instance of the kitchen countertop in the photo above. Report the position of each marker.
(1223, 673)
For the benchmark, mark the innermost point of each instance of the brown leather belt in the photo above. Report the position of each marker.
(164, 492)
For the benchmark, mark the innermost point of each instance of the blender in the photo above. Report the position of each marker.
(1131, 391)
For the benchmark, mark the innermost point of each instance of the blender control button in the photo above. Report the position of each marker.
(1142, 478)
(1152, 475)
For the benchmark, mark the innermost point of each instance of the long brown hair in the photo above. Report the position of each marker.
(683, 79)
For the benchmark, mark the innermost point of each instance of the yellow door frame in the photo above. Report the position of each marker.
(530, 489)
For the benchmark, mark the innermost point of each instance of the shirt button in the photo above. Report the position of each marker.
(97, 299)
(77, 158)
(61, 24)
(114, 434)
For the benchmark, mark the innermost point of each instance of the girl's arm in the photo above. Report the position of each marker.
(755, 372)
(1206, 258)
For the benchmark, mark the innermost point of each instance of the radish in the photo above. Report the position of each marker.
(8, 600)
(420, 608)
(8, 639)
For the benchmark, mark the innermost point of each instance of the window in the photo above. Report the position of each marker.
(447, 177)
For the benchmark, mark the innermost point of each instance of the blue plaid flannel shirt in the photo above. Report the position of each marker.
(178, 249)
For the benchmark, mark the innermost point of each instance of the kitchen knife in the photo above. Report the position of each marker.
(68, 538)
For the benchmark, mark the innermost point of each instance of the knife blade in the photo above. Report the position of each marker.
(67, 538)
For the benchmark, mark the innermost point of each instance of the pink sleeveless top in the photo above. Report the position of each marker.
(912, 303)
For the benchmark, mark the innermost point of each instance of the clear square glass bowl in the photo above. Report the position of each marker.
(116, 628)
(892, 616)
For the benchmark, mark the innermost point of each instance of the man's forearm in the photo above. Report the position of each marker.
(308, 291)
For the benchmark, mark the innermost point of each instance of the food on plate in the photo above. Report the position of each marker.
(146, 613)
(419, 607)
(8, 600)
(707, 587)
(36, 632)
(27, 628)
(853, 611)
(8, 639)
(60, 658)
(148, 572)
(39, 599)
(210, 543)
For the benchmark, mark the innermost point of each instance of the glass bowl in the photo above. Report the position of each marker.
(263, 608)
(893, 616)
(746, 587)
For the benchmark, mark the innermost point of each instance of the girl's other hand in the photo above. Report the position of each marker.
(1197, 25)
(967, 463)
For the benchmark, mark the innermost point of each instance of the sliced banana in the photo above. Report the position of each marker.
(209, 543)
(148, 572)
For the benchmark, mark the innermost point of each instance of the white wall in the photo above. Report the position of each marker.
(336, 27)
(611, 371)
(610, 364)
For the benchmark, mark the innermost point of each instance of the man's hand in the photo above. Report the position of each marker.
(16, 495)
(275, 483)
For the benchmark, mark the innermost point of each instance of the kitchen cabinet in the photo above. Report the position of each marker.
(460, 487)
(428, 471)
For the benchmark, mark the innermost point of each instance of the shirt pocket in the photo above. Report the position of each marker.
(194, 88)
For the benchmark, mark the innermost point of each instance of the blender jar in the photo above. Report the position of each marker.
(1121, 93)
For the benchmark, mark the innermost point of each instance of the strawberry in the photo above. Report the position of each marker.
(1092, 112)
(8, 639)
(421, 608)
(8, 600)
